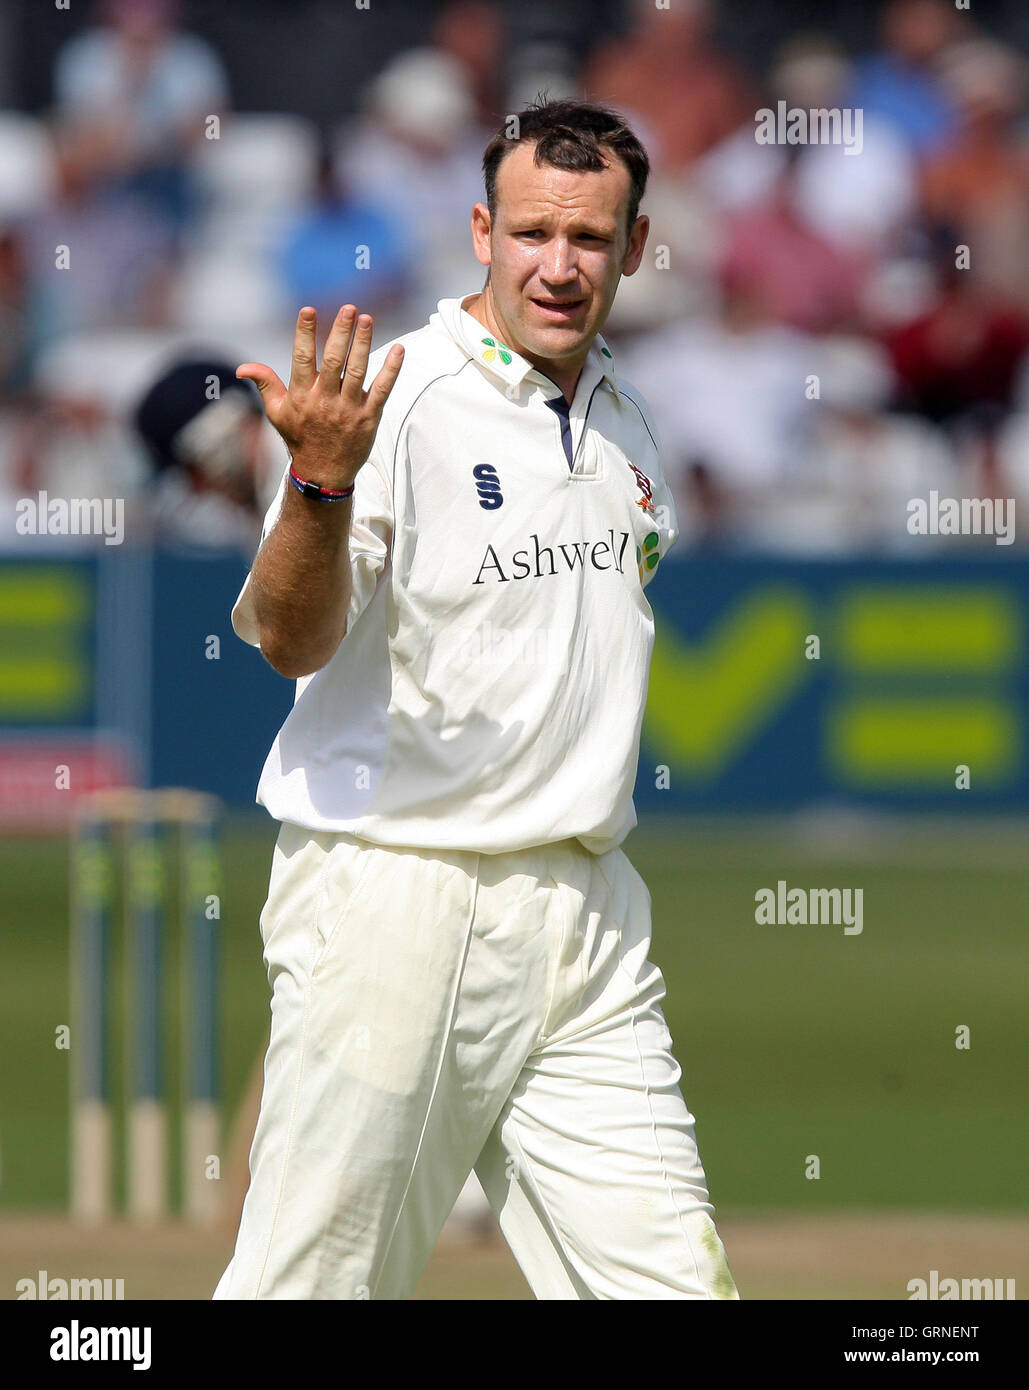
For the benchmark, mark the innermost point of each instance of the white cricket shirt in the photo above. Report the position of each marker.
(489, 692)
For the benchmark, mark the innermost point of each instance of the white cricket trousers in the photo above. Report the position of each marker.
(435, 1011)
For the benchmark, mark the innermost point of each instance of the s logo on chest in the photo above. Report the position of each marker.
(487, 485)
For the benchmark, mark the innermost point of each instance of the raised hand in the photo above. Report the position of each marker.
(327, 419)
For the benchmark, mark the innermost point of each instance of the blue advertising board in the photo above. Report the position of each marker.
(775, 684)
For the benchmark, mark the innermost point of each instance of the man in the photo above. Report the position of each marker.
(456, 944)
(134, 95)
(208, 442)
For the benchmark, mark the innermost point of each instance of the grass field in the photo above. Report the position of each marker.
(794, 1040)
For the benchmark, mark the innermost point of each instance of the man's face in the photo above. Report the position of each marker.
(556, 250)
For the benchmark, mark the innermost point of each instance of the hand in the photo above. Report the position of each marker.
(326, 418)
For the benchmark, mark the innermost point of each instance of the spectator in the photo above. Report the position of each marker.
(472, 31)
(119, 258)
(320, 261)
(669, 78)
(415, 153)
(209, 443)
(118, 266)
(858, 198)
(864, 463)
(801, 277)
(980, 184)
(961, 359)
(728, 397)
(66, 445)
(14, 314)
(132, 96)
(901, 84)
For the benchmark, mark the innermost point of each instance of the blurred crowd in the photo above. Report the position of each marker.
(823, 334)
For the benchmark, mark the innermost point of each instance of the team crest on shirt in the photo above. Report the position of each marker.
(495, 349)
(648, 556)
(647, 499)
(487, 485)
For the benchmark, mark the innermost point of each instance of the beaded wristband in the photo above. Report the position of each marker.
(318, 494)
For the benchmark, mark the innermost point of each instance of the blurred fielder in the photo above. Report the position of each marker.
(454, 574)
(206, 436)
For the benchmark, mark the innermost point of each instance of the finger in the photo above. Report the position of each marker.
(357, 362)
(386, 379)
(336, 345)
(303, 370)
(267, 382)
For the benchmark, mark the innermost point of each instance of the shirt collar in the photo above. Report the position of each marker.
(501, 361)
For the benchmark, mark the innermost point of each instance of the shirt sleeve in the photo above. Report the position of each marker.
(371, 535)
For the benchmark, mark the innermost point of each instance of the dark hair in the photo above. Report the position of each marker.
(570, 135)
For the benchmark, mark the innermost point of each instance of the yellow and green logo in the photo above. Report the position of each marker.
(648, 558)
(492, 350)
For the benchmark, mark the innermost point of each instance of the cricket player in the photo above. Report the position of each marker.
(454, 573)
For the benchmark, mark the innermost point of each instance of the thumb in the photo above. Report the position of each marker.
(267, 382)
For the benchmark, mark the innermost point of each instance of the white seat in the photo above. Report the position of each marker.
(229, 286)
(261, 163)
(112, 367)
(28, 172)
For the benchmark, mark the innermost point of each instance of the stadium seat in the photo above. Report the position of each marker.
(108, 367)
(260, 169)
(27, 167)
(229, 285)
